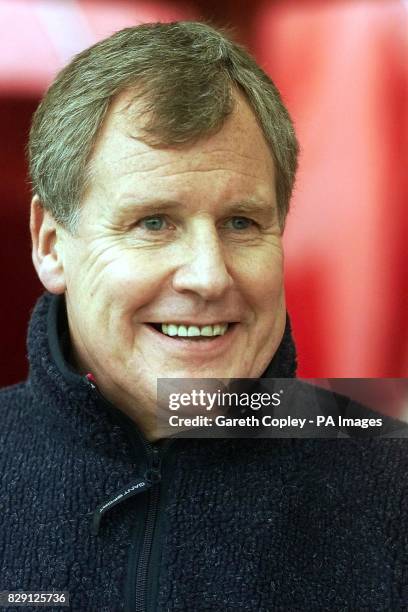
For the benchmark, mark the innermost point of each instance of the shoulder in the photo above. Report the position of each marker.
(14, 395)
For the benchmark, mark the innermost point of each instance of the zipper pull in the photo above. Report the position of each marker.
(153, 474)
(139, 486)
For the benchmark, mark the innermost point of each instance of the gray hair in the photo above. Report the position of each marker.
(185, 74)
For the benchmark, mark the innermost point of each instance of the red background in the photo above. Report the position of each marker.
(342, 69)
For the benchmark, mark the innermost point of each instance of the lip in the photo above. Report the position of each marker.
(210, 348)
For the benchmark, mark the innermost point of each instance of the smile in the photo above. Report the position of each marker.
(192, 331)
(180, 339)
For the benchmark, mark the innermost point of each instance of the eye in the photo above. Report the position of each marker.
(240, 223)
(155, 223)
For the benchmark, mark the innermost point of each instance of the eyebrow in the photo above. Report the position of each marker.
(253, 206)
(135, 204)
(249, 206)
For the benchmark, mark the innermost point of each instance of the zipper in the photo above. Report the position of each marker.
(153, 475)
(151, 485)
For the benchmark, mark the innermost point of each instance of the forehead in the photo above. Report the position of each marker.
(238, 152)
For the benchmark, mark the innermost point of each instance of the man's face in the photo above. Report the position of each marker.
(187, 237)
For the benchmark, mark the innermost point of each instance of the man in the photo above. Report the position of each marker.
(162, 163)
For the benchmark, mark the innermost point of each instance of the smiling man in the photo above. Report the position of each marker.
(162, 161)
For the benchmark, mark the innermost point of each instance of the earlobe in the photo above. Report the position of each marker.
(47, 259)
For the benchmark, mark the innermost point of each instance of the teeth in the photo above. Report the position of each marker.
(171, 330)
(207, 330)
(184, 331)
(193, 331)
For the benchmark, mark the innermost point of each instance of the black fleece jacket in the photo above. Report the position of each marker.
(223, 525)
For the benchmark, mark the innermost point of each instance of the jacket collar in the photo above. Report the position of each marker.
(66, 401)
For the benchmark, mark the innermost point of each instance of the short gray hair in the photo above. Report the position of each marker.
(185, 73)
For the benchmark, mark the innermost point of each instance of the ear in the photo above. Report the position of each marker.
(45, 253)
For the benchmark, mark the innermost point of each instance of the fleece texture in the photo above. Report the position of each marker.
(233, 525)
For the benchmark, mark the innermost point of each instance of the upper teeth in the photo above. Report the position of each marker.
(172, 329)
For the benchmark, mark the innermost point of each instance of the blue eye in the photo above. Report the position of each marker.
(241, 223)
(153, 224)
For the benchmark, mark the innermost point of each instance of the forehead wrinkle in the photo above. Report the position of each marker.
(194, 172)
(186, 154)
(226, 153)
(156, 171)
(193, 166)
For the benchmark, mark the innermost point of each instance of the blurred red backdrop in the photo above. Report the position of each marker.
(342, 69)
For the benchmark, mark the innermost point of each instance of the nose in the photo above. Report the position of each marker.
(203, 270)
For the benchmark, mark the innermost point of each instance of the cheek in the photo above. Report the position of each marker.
(112, 298)
(116, 278)
(261, 277)
(133, 279)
